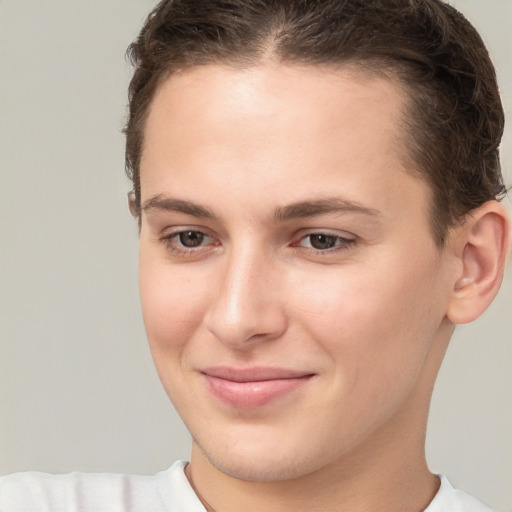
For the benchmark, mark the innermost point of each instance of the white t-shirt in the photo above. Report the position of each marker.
(168, 491)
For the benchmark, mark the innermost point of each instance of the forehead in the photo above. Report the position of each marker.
(276, 91)
(292, 130)
(201, 106)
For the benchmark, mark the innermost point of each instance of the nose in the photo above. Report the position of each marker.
(246, 306)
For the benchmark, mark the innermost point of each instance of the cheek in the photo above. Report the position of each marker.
(372, 317)
(171, 304)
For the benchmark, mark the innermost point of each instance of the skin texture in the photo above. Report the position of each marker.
(226, 152)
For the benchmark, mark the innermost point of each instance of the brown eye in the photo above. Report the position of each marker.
(191, 238)
(322, 241)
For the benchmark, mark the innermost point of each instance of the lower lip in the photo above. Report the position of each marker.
(249, 395)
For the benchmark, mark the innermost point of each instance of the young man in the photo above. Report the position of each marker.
(317, 189)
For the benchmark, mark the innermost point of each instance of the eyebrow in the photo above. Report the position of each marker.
(169, 204)
(299, 210)
(306, 209)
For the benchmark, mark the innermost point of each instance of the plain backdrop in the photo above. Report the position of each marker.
(77, 385)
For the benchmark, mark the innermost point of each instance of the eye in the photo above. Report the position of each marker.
(322, 241)
(325, 242)
(191, 238)
(187, 241)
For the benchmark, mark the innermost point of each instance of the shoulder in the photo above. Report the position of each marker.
(73, 492)
(449, 499)
(84, 492)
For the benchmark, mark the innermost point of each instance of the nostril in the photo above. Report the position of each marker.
(245, 330)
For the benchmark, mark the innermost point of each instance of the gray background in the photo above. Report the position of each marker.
(77, 385)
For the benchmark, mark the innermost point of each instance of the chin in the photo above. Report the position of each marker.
(261, 469)
(259, 461)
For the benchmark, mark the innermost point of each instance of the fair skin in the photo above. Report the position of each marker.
(296, 305)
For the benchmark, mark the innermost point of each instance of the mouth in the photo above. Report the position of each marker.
(252, 387)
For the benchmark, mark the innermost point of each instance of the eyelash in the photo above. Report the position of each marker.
(341, 243)
(169, 241)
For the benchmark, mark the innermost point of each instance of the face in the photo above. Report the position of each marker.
(291, 289)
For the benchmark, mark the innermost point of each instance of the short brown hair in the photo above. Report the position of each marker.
(455, 119)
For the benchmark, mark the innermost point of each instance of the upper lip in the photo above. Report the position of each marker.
(254, 374)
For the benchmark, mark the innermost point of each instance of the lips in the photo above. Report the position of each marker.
(252, 387)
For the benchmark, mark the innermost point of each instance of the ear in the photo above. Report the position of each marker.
(481, 247)
(132, 204)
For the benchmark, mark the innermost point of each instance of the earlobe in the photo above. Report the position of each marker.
(481, 246)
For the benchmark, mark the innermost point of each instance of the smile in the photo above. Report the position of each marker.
(252, 388)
